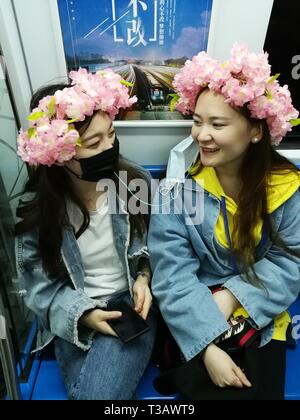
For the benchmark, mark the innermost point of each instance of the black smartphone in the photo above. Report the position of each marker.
(130, 325)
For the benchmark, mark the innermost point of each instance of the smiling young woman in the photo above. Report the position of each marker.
(240, 266)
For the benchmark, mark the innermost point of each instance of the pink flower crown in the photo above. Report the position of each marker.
(52, 137)
(245, 79)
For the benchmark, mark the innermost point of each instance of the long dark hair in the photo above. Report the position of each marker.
(260, 161)
(46, 212)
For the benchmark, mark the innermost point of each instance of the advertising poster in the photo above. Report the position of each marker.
(145, 41)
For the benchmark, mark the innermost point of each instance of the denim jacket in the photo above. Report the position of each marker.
(186, 260)
(60, 302)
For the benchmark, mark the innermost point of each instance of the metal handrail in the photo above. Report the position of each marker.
(8, 359)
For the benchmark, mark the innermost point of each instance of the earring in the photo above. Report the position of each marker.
(255, 140)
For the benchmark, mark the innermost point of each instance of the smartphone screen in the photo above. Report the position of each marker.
(130, 325)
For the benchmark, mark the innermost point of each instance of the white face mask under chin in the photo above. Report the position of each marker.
(181, 158)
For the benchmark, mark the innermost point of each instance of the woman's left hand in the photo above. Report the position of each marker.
(142, 296)
(226, 302)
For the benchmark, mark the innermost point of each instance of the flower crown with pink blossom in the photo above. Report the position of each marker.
(52, 137)
(245, 79)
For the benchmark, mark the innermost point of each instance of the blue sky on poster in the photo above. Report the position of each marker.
(88, 27)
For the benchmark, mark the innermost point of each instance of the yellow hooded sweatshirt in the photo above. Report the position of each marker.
(281, 186)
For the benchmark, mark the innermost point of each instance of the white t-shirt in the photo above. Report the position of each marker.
(104, 272)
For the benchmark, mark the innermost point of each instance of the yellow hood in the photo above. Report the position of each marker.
(281, 186)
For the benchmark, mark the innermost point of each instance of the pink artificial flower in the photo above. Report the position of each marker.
(245, 79)
(50, 138)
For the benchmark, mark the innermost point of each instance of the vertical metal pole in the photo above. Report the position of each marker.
(7, 358)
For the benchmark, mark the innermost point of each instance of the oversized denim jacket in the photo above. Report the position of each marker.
(186, 259)
(60, 302)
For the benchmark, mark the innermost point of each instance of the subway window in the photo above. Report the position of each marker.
(283, 44)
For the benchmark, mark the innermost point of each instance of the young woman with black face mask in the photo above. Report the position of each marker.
(77, 256)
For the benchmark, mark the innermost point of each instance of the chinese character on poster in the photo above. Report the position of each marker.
(145, 41)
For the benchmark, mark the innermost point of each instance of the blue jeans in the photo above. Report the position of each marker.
(110, 370)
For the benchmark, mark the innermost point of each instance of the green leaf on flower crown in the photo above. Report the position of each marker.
(274, 78)
(71, 122)
(295, 122)
(70, 128)
(125, 83)
(36, 116)
(51, 107)
(223, 65)
(268, 94)
(31, 132)
(174, 101)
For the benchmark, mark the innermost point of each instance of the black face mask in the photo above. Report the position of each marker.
(100, 166)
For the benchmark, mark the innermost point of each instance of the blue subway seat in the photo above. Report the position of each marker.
(156, 171)
(49, 384)
(292, 377)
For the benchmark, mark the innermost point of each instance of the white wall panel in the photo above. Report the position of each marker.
(238, 20)
(39, 26)
(14, 62)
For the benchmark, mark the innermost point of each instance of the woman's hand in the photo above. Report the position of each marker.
(227, 302)
(142, 296)
(96, 320)
(222, 370)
